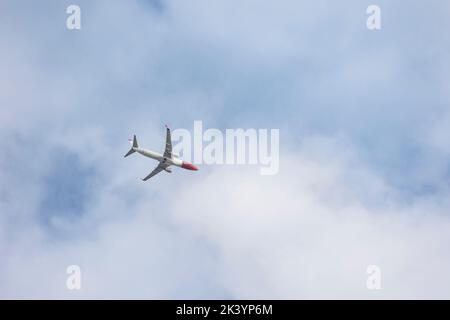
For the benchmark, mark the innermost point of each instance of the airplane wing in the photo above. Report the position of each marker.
(161, 166)
(168, 150)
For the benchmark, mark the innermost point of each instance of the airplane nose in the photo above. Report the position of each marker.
(188, 166)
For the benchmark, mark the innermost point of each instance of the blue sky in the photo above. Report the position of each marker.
(364, 123)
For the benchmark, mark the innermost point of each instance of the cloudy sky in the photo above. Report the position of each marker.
(364, 120)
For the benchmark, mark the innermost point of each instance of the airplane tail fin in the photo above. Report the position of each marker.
(135, 145)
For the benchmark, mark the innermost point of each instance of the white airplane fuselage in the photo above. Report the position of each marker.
(174, 161)
(157, 156)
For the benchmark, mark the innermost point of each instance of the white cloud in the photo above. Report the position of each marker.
(308, 234)
(305, 233)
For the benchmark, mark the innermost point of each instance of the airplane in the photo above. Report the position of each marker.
(165, 160)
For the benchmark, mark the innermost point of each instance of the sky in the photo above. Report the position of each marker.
(364, 122)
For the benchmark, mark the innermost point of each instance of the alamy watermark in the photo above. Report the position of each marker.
(374, 20)
(236, 146)
(73, 21)
(374, 280)
(73, 281)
